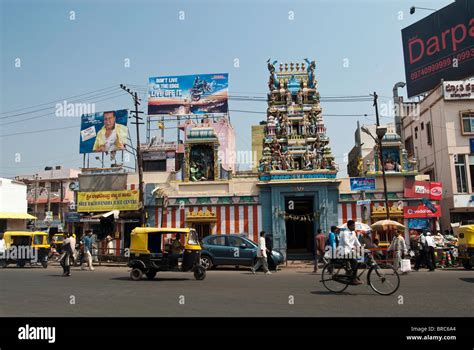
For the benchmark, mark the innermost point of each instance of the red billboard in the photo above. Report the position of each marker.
(423, 189)
(421, 211)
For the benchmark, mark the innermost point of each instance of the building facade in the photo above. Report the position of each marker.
(441, 136)
(13, 205)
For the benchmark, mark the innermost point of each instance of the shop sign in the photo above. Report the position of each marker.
(362, 183)
(107, 201)
(423, 189)
(421, 211)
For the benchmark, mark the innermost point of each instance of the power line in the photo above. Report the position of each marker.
(46, 103)
(47, 108)
(49, 114)
(39, 131)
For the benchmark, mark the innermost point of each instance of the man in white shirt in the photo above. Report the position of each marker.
(432, 246)
(261, 255)
(347, 243)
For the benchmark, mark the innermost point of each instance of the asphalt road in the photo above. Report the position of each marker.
(108, 291)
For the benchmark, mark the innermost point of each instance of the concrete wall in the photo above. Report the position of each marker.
(12, 196)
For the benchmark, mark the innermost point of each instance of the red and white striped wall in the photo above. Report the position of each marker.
(229, 218)
(348, 211)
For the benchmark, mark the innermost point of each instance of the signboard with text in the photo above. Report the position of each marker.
(423, 189)
(362, 183)
(421, 211)
(107, 201)
(439, 46)
(458, 90)
(188, 94)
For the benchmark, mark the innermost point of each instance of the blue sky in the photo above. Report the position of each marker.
(61, 58)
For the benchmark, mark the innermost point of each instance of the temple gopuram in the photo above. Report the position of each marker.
(297, 171)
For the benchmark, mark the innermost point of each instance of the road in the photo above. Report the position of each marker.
(108, 291)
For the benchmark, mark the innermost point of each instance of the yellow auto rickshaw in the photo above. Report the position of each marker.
(23, 247)
(149, 253)
(465, 236)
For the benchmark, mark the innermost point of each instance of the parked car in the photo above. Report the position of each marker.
(233, 249)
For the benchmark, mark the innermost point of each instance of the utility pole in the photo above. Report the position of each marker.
(35, 179)
(139, 161)
(379, 144)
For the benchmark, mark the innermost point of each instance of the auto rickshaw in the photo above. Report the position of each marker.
(465, 235)
(17, 241)
(149, 253)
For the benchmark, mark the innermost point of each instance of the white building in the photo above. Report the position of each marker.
(440, 133)
(13, 205)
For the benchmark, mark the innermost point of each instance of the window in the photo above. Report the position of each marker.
(422, 126)
(428, 133)
(467, 122)
(460, 168)
(235, 241)
(55, 186)
(409, 146)
(416, 133)
(217, 241)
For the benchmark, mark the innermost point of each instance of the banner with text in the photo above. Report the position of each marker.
(107, 201)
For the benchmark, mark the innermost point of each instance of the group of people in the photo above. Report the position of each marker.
(348, 240)
(69, 254)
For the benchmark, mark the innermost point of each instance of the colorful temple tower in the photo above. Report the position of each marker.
(297, 171)
(295, 136)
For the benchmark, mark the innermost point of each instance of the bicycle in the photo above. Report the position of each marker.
(383, 278)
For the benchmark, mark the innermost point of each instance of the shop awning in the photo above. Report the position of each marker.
(115, 213)
(19, 216)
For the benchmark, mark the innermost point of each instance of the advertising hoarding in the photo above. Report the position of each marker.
(188, 94)
(103, 131)
(362, 183)
(423, 189)
(421, 211)
(440, 46)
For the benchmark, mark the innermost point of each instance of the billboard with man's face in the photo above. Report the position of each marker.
(104, 131)
(188, 94)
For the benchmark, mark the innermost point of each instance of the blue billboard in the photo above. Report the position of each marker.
(362, 183)
(103, 131)
(188, 94)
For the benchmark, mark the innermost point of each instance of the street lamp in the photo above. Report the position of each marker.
(380, 132)
(412, 9)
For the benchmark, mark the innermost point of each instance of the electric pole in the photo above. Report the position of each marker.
(137, 123)
(379, 144)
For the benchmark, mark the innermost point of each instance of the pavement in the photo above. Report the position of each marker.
(108, 291)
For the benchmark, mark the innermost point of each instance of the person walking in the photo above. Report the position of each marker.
(319, 246)
(261, 255)
(68, 249)
(399, 249)
(269, 245)
(88, 250)
(423, 257)
(432, 247)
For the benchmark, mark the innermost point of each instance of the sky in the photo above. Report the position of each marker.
(81, 51)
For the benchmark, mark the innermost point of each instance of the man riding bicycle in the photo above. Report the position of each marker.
(347, 243)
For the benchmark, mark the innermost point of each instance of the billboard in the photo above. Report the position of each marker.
(103, 131)
(440, 46)
(188, 94)
(421, 211)
(362, 183)
(107, 201)
(423, 189)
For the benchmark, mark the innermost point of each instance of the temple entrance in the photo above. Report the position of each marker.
(202, 230)
(299, 231)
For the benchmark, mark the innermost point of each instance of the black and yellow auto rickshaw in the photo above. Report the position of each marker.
(149, 253)
(23, 247)
(465, 235)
